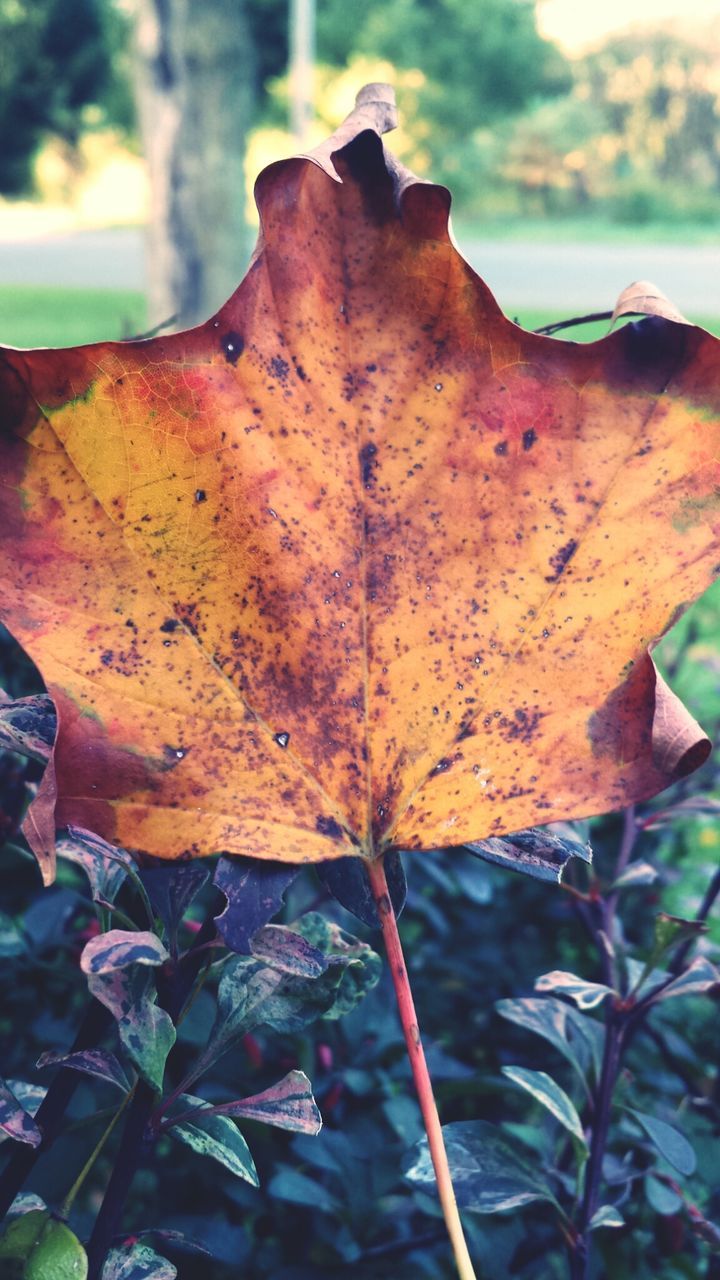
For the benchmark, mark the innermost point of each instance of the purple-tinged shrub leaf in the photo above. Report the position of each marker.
(538, 852)
(638, 873)
(118, 948)
(28, 726)
(672, 1145)
(171, 888)
(289, 1104)
(15, 1121)
(700, 977)
(585, 994)
(543, 1088)
(353, 969)
(36, 1246)
(346, 880)
(251, 994)
(105, 866)
(92, 1062)
(606, 1216)
(212, 1135)
(137, 1262)
(661, 1197)
(177, 1239)
(254, 889)
(146, 1032)
(489, 1174)
(288, 951)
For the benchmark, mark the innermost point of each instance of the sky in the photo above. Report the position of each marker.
(576, 23)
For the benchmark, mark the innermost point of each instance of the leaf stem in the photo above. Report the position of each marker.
(69, 1200)
(421, 1075)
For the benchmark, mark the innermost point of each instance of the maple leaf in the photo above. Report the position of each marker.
(357, 563)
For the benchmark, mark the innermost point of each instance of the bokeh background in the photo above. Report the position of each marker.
(581, 143)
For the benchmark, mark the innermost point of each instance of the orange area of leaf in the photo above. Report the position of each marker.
(356, 563)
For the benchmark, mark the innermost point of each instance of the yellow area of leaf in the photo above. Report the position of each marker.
(357, 563)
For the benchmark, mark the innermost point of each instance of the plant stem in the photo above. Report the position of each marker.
(421, 1075)
(614, 1036)
(129, 1158)
(52, 1108)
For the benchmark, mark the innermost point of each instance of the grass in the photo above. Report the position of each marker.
(38, 317)
(33, 316)
(592, 229)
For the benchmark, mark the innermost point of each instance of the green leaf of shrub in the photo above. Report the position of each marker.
(672, 1145)
(638, 873)
(661, 1197)
(489, 1175)
(699, 978)
(289, 1184)
(214, 1136)
(578, 1039)
(585, 994)
(606, 1216)
(550, 1095)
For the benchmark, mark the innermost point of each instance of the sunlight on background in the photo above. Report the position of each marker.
(577, 23)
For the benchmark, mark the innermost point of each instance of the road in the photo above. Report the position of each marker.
(567, 278)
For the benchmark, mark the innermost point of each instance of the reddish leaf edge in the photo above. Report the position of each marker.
(679, 745)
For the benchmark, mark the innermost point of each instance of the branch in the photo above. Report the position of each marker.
(50, 1113)
(421, 1075)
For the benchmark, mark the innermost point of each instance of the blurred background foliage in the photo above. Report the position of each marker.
(517, 128)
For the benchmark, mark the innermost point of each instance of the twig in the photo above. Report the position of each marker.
(133, 1148)
(549, 329)
(612, 1056)
(421, 1075)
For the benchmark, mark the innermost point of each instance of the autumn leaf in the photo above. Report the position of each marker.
(358, 563)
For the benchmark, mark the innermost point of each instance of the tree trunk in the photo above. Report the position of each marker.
(196, 95)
